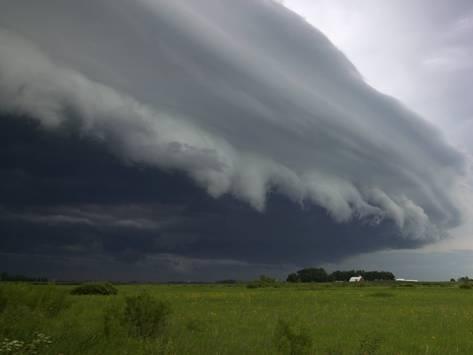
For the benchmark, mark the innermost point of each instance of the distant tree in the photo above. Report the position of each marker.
(464, 279)
(342, 275)
(367, 275)
(228, 281)
(320, 275)
(292, 277)
(452, 280)
(263, 281)
(378, 275)
(267, 279)
(313, 275)
(21, 278)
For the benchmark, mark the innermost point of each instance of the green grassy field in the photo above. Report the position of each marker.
(232, 319)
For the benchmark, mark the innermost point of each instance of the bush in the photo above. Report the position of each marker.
(95, 289)
(465, 286)
(290, 341)
(145, 317)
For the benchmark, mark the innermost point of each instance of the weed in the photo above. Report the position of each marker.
(145, 316)
(38, 343)
(51, 300)
(290, 341)
(158, 347)
(369, 345)
(113, 321)
(47, 300)
(333, 352)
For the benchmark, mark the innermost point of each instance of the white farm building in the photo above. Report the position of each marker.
(356, 279)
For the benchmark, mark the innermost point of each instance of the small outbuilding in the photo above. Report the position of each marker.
(356, 279)
(406, 280)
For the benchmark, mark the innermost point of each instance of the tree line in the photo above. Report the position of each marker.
(320, 275)
(21, 278)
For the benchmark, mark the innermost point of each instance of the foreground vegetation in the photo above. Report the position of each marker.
(333, 318)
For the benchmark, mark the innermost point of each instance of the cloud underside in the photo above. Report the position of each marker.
(69, 196)
(289, 153)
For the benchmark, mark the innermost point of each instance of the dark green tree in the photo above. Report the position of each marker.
(292, 277)
(313, 275)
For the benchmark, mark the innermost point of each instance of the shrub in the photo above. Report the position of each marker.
(290, 341)
(145, 317)
(465, 286)
(105, 288)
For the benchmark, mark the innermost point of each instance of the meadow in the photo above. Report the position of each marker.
(333, 318)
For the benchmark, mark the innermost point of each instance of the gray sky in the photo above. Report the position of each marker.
(420, 52)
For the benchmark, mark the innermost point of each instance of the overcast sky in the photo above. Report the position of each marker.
(221, 139)
(418, 51)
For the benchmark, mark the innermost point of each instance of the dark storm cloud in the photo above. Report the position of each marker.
(66, 196)
(143, 104)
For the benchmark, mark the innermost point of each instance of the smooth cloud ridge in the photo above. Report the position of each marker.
(244, 97)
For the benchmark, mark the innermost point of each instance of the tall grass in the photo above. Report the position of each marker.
(292, 341)
(211, 319)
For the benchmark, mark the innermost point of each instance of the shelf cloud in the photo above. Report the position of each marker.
(247, 100)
